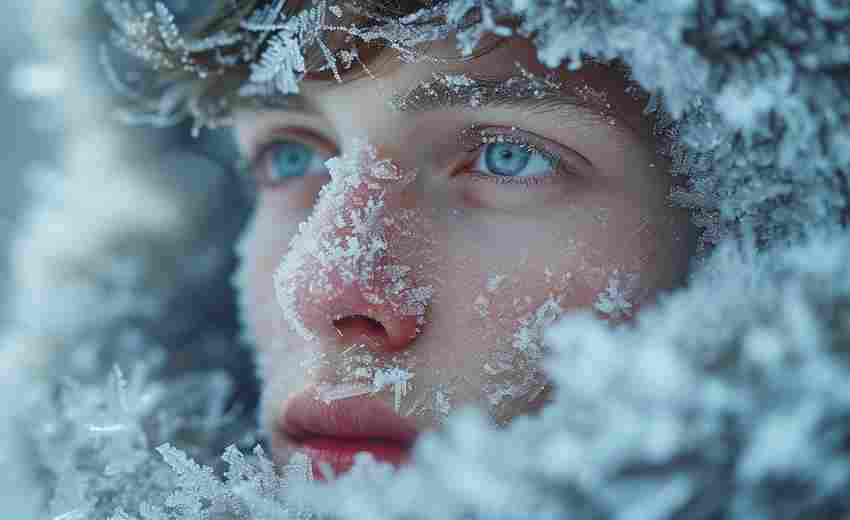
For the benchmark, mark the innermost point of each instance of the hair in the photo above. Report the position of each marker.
(203, 80)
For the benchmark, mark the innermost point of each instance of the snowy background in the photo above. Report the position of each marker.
(22, 142)
(31, 130)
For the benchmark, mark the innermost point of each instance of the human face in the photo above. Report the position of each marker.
(421, 278)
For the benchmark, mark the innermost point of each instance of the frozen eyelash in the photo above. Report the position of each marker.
(476, 137)
(526, 145)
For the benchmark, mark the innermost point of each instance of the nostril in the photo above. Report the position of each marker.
(356, 326)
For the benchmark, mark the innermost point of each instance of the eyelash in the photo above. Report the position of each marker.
(258, 157)
(477, 137)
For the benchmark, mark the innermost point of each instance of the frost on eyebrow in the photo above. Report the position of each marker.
(348, 242)
(460, 89)
(524, 88)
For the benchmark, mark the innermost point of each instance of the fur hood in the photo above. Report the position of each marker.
(730, 398)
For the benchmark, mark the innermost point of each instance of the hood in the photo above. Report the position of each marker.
(728, 398)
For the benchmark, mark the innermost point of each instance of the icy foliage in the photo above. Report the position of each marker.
(728, 399)
(697, 411)
(95, 443)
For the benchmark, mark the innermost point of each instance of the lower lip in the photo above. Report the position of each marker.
(339, 453)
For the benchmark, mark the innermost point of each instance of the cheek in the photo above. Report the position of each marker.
(608, 266)
(265, 242)
(499, 296)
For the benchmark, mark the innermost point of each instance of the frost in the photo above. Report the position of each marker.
(397, 378)
(344, 247)
(330, 393)
(281, 65)
(528, 337)
(614, 300)
(442, 404)
(153, 36)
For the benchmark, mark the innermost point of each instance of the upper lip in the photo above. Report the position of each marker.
(359, 417)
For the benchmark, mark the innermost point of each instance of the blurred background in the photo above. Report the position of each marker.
(32, 127)
(202, 169)
(22, 141)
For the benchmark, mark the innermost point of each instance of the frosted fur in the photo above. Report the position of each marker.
(729, 398)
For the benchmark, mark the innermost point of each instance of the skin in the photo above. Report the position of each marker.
(502, 260)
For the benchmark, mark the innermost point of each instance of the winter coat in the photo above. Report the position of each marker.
(729, 398)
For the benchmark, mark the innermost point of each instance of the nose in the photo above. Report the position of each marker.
(349, 275)
(394, 337)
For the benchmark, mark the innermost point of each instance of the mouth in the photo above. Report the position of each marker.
(332, 433)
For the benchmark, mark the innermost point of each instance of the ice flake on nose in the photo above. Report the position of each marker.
(346, 239)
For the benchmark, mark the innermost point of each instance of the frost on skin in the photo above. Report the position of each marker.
(517, 373)
(397, 378)
(461, 89)
(614, 300)
(345, 245)
(357, 371)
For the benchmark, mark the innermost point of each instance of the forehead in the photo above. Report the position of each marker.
(606, 86)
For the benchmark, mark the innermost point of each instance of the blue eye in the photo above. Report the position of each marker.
(506, 158)
(513, 160)
(293, 159)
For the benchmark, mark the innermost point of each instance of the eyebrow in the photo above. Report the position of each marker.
(524, 92)
(286, 102)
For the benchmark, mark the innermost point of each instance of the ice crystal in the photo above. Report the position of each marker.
(528, 337)
(281, 65)
(397, 378)
(614, 300)
(345, 245)
(153, 36)
(330, 393)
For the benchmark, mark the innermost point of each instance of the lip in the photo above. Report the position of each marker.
(334, 432)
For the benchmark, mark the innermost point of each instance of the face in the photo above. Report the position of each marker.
(470, 204)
